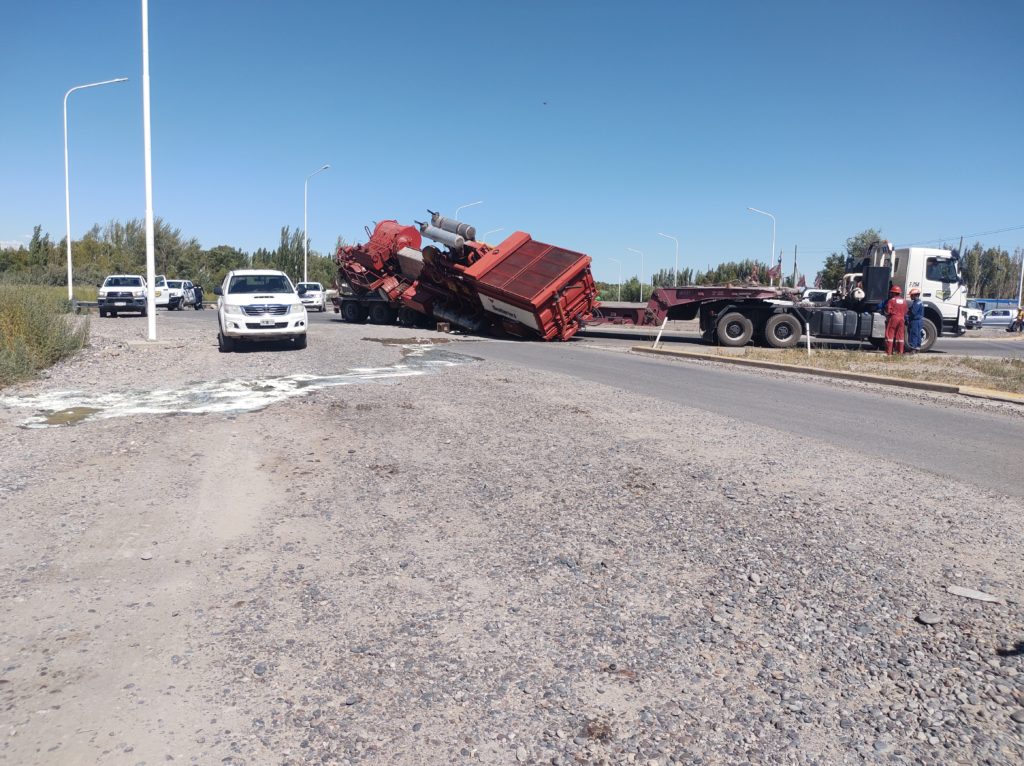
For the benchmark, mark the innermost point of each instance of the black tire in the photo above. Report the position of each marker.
(113, 313)
(225, 344)
(300, 341)
(142, 313)
(408, 317)
(381, 313)
(782, 331)
(103, 313)
(928, 335)
(734, 329)
(351, 311)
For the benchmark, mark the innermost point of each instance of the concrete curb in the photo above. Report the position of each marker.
(922, 385)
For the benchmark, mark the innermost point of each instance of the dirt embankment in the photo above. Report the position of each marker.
(431, 564)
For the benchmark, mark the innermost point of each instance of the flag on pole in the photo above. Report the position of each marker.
(802, 282)
(775, 272)
(817, 281)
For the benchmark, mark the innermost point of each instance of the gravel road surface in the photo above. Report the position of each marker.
(412, 555)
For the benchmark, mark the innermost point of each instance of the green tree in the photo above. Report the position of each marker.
(835, 266)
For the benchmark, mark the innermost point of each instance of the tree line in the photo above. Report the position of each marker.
(120, 248)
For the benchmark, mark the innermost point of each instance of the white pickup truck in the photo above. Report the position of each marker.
(173, 294)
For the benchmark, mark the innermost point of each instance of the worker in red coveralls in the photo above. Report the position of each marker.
(895, 319)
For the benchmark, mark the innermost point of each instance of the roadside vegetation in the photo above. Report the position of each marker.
(36, 330)
(977, 371)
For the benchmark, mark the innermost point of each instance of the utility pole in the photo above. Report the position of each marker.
(794, 266)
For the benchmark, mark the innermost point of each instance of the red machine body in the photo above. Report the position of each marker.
(520, 287)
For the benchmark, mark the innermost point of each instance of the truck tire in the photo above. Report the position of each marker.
(381, 313)
(300, 341)
(782, 331)
(734, 329)
(352, 311)
(406, 317)
(928, 335)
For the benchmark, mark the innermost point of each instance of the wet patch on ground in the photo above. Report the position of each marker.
(65, 408)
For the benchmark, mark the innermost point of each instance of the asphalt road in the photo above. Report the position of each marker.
(964, 444)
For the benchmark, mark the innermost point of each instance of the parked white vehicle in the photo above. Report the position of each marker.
(314, 297)
(161, 293)
(182, 294)
(259, 304)
(120, 293)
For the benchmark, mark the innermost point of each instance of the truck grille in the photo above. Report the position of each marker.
(119, 295)
(258, 326)
(262, 309)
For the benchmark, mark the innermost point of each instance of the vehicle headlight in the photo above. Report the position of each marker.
(230, 308)
(138, 293)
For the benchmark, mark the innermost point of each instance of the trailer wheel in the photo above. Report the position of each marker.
(408, 317)
(928, 335)
(734, 329)
(381, 313)
(782, 331)
(352, 311)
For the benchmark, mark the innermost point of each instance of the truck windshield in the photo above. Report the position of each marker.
(942, 270)
(260, 283)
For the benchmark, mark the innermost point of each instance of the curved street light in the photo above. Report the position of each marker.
(675, 274)
(470, 204)
(305, 224)
(634, 250)
(67, 189)
(615, 260)
(772, 259)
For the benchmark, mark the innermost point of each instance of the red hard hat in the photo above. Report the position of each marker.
(896, 289)
(915, 291)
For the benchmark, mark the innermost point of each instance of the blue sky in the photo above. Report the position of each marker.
(589, 125)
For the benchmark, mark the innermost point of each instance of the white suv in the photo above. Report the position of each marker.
(259, 304)
(120, 293)
(314, 296)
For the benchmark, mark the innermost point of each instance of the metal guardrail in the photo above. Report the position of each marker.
(78, 306)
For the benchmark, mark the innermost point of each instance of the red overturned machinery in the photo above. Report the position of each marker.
(519, 287)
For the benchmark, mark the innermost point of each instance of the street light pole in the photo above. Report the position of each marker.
(305, 223)
(772, 259)
(615, 260)
(675, 274)
(634, 250)
(470, 204)
(67, 188)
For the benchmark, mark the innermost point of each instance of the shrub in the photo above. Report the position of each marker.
(36, 330)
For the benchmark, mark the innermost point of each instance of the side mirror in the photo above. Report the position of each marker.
(217, 290)
(301, 290)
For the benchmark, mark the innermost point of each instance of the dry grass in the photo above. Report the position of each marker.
(36, 330)
(982, 372)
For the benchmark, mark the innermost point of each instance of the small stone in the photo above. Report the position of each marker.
(521, 754)
(881, 745)
(1018, 716)
(260, 669)
(146, 555)
(976, 595)
(928, 618)
(353, 700)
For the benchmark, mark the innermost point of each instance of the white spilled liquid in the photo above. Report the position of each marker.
(219, 396)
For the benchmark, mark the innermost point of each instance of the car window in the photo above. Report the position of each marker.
(123, 282)
(260, 283)
(311, 286)
(175, 284)
(941, 270)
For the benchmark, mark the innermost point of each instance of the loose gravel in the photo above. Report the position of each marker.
(483, 564)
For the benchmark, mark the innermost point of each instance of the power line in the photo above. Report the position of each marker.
(965, 236)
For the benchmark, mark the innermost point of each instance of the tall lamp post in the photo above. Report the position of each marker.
(305, 224)
(470, 204)
(615, 260)
(675, 273)
(771, 260)
(634, 250)
(67, 189)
